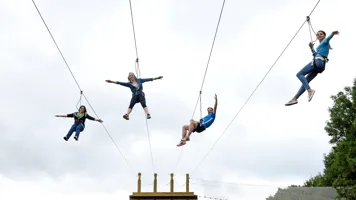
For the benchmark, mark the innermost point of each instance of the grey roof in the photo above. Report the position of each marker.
(305, 193)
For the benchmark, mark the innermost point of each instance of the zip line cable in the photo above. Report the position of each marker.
(117, 147)
(138, 72)
(211, 51)
(254, 90)
(206, 70)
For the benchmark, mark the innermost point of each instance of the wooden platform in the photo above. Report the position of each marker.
(163, 195)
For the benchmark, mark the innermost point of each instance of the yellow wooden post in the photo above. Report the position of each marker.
(172, 183)
(155, 183)
(139, 183)
(163, 195)
(187, 183)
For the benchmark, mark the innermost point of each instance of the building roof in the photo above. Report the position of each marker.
(305, 193)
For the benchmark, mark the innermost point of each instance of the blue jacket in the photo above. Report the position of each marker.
(135, 90)
(324, 46)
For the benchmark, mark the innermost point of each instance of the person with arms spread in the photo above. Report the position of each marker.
(79, 122)
(138, 96)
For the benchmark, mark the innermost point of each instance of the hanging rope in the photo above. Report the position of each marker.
(80, 100)
(137, 68)
(117, 147)
(206, 70)
(201, 112)
(149, 142)
(310, 30)
(211, 51)
(253, 92)
(138, 72)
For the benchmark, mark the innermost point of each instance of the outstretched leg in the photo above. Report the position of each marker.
(70, 132)
(79, 129)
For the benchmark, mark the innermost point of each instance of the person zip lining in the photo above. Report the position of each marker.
(79, 122)
(199, 126)
(138, 96)
(317, 65)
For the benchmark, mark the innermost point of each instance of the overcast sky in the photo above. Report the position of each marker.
(266, 147)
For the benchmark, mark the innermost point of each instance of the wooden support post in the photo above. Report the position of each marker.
(187, 183)
(139, 183)
(172, 183)
(155, 183)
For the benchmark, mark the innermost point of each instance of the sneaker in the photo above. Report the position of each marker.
(181, 143)
(126, 117)
(76, 138)
(65, 138)
(291, 102)
(311, 94)
(148, 116)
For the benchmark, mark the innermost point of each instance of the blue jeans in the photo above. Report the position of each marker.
(77, 128)
(311, 72)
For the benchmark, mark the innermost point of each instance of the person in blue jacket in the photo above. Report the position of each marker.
(200, 126)
(79, 122)
(317, 65)
(138, 96)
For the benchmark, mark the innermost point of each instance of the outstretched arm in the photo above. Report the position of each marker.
(92, 118)
(118, 82)
(216, 104)
(150, 79)
(67, 115)
(60, 115)
(327, 39)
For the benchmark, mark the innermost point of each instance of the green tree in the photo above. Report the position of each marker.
(340, 163)
(316, 181)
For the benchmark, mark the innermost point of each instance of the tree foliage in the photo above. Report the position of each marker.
(340, 163)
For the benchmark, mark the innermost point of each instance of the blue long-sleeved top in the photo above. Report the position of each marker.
(135, 89)
(324, 47)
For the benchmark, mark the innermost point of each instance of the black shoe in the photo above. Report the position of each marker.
(65, 138)
(126, 117)
(76, 138)
(148, 116)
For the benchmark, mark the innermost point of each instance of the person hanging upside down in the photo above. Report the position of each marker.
(317, 65)
(138, 96)
(79, 122)
(200, 126)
